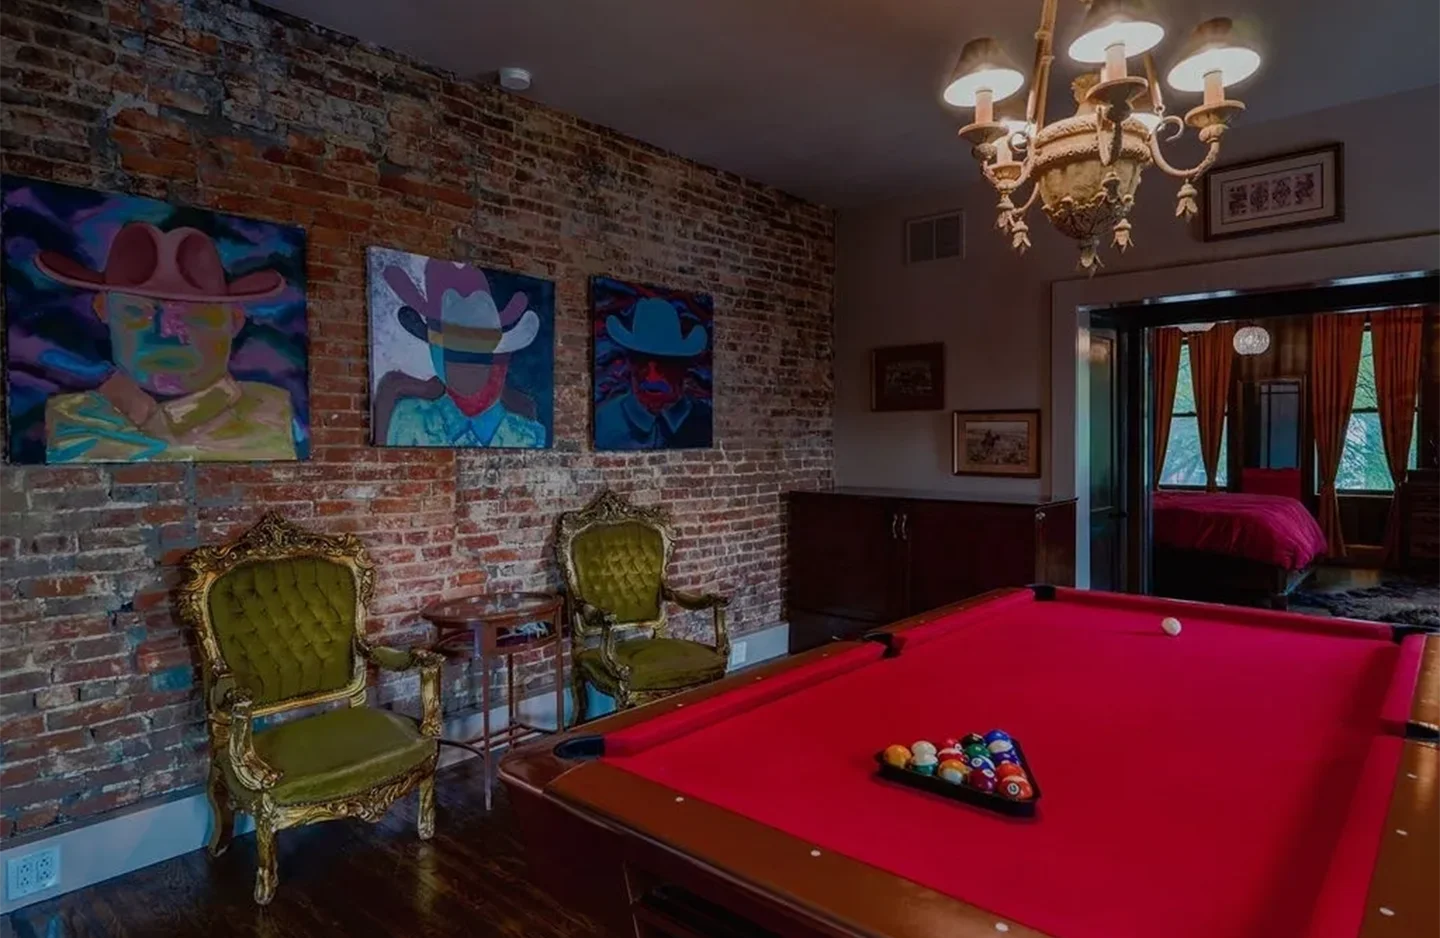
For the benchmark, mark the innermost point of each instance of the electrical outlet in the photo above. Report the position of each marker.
(737, 654)
(32, 873)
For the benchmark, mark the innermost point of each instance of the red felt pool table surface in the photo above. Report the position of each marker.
(1233, 780)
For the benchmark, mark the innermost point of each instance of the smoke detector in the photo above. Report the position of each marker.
(515, 79)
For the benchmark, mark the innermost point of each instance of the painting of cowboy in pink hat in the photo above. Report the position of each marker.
(653, 380)
(143, 331)
(460, 356)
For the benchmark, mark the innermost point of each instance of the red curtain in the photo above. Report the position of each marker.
(1210, 356)
(1334, 360)
(1165, 355)
(1395, 334)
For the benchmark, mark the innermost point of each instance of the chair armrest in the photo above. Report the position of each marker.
(251, 770)
(405, 659)
(605, 622)
(695, 601)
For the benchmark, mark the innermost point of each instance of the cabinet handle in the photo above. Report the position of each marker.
(1039, 517)
(904, 527)
(894, 520)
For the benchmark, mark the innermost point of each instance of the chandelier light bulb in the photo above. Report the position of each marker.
(1216, 47)
(1251, 340)
(1124, 23)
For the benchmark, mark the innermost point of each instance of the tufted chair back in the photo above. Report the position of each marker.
(618, 567)
(285, 627)
(278, 612)
(614, 556)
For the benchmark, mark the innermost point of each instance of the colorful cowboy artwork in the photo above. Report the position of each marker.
(460, 356)
(653, 378)
(139, 331)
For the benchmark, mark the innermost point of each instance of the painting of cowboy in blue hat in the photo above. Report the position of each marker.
(460, 356)
(653, 379)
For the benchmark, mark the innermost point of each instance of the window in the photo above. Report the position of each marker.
(1184, 465)
(1362, 461)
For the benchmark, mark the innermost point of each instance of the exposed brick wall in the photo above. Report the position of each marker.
(240, 109)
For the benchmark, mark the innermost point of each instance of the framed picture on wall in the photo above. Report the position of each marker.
(908, 377)
(996, 443)
(1289, 191)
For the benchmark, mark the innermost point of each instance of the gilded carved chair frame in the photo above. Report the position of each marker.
(231, 710)
(587, 622)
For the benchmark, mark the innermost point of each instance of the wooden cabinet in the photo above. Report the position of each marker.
(861, 558)
(1420, 507)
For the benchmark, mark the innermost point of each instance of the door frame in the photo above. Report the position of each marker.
(1162, 292)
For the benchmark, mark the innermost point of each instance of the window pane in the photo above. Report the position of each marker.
(1362, 462)
(1184, 391)
(1365, 377)
(1183, 463)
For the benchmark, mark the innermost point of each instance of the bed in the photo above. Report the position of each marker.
(1232, 546)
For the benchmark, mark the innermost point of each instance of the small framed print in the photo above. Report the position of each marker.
(997, 443)
(908, 377)
(1306, 188)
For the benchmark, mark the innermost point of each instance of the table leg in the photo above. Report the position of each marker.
(511, 710)
(485, 721)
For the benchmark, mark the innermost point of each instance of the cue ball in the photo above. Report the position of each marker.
(1171, 625)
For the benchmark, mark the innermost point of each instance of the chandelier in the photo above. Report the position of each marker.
(1085, 168)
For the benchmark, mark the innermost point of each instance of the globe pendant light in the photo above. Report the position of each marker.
(1252, 340)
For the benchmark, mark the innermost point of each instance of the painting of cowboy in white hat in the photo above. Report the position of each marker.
(460, 356)
(653, 381)
(142, 331)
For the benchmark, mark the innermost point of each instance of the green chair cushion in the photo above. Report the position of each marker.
(619, 568)
(285, 626)
(340, 752)
(656, 664)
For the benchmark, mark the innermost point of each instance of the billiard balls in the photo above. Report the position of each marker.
(924, 764)
(1171, 625)
(995, 735)
(977, 749)
(970, 739)
(980, 763)
(1006, 756)
(981, 780)
(1004, 770)
(1000, 745)
(950, 742)
(922, 748)
(949, 752)
(898, 756)
(953, 771)
(1017, 788)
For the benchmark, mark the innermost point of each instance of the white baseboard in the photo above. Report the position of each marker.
(157, 830)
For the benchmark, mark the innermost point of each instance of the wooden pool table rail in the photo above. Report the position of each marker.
(600, 836)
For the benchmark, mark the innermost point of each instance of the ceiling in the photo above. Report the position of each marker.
(838, 100)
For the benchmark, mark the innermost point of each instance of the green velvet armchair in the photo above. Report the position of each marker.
(280, 619)
(614, 555)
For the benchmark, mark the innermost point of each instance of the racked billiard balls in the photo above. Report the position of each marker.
(970, 739)
(949, 752)
(1017, 788)
(996, 735)
(1004, 770)
(953, 771)
(1006, 756)
(977, 749)
(922, 748)
(980, 763)
(898, 756)
(981, 780)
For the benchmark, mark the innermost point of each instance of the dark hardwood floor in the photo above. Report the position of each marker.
(345, 878)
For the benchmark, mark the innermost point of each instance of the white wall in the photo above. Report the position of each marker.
(992, 309)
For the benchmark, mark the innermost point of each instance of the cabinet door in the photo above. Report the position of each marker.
(960, 549)
(845, 556)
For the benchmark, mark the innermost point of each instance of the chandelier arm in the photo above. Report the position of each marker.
(1024, 209)
(1190, 175)
(1157, 98)
(1040, 75)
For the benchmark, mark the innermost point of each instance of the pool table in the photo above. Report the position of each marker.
(1259, 774)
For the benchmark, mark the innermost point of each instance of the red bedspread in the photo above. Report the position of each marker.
(1264, 528)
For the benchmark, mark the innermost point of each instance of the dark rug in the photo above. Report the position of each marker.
(1401, 603)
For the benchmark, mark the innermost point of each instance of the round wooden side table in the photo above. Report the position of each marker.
(487, 625)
